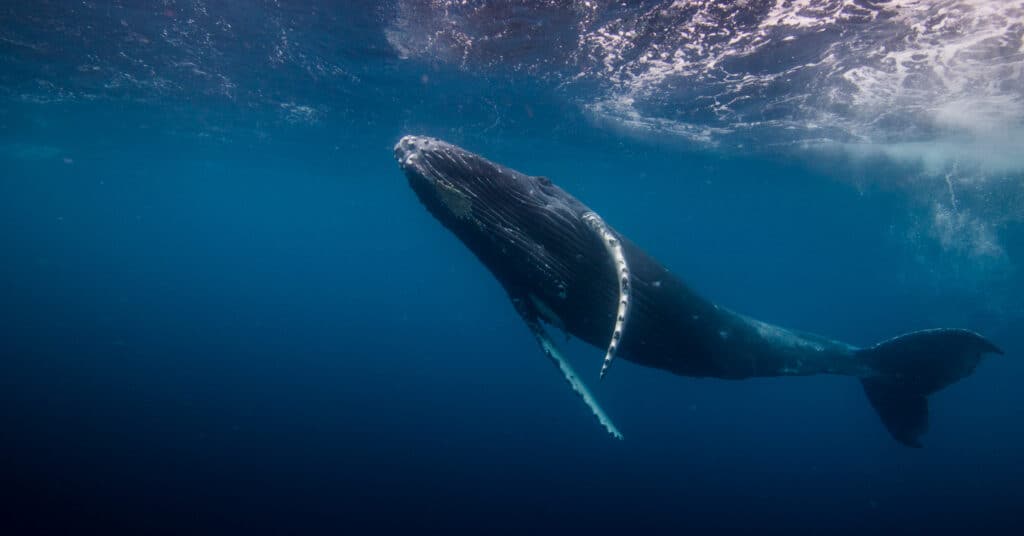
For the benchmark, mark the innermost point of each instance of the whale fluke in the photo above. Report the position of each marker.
(911, 367)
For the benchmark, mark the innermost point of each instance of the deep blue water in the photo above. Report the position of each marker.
(225, 311)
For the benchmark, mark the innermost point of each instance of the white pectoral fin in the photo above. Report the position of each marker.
(614, 248)
(556, 357)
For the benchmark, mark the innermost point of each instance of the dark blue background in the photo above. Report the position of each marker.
(261, 330)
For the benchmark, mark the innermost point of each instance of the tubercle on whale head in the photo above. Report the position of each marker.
(409, 149)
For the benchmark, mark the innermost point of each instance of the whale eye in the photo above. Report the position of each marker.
(544, 181)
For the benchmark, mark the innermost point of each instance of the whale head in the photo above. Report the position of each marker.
(525, 229)
(454, 182)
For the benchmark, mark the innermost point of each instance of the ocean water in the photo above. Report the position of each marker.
(224, 310)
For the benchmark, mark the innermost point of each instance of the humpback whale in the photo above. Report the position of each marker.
(562, 265)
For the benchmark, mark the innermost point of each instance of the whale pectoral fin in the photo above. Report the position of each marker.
(552, 352)
(614, 248)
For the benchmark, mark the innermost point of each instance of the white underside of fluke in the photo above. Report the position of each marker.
(614, 248)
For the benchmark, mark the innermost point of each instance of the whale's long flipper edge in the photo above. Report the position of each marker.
(614, 247)
(554, 354)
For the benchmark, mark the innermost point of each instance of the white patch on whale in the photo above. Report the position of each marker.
(614, 248)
